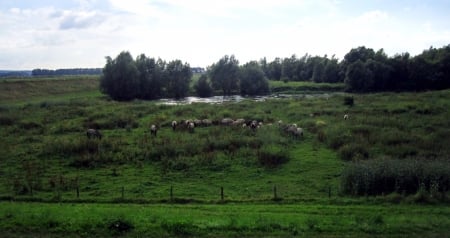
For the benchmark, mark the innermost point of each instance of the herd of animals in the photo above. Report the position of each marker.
(190, 125)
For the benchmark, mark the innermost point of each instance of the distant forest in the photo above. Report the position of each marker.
(366, 70)
(59, 72)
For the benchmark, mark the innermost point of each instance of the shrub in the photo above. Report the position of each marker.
(272, 156)
(120, 225)
(7, 120)
(349, 101)
(407, 176)
(353, 151)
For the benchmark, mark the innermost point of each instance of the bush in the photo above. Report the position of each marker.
(120, 225)
(407, 176)
(353, 152)
(349, 101)
(272, 156)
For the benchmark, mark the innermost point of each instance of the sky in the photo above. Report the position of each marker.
(56, 34)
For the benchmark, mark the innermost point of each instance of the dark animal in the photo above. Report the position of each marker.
(254, 124)
(153, 130)
(174, 125)
(93, 133)
(191, 127)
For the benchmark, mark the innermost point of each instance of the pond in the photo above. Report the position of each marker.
(239, 98)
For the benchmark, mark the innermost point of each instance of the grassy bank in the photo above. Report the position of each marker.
(293, 87)
(93, 220)
(13, 90)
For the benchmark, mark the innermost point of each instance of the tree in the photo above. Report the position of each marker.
(225, 74)
(150, 77)
(120, 77)
(274, 71)
(203, 87)
(253, 80)
(319, 72)
(289, 68)
(177, 79)
(332, 72)
(358, 78)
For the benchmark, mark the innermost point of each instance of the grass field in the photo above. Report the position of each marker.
(273, 184)
(229, 220)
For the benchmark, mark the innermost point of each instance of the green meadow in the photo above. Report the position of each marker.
(221, 181)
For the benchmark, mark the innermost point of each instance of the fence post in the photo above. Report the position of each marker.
(221, 193)
(171, 193)
(78, 191)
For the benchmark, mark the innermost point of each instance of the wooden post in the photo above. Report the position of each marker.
(123, 192)
(275, 192)
(221, 193)
(171, 193)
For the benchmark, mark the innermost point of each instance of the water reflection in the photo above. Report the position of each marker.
(238, 98)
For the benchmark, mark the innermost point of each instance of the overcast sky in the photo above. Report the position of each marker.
(80, 33)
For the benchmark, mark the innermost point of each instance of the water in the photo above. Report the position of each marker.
(239, 98)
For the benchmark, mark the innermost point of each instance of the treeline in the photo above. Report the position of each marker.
(366, 70)
(125, 78)
(59, 72)
(362, 70)
(14, 73)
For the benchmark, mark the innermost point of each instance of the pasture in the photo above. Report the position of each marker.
(227, 175)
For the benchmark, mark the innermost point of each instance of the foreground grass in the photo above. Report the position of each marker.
(92, 220)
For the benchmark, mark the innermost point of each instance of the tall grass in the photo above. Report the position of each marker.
(407, 176)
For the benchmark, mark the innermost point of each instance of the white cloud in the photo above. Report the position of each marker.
(202, 31)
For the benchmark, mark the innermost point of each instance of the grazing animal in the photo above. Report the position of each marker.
(206, 122)
(240, 121)
(346, 117)
(174, 125)
(226, 121)
(197, 122)
(298, 132)
(191, 127)
(93, 133)
(153, 130)
(254, 124)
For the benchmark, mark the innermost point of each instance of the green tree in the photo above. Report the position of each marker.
(150, 77)
(319, 72)
(203, 87)
(225, 74)
(177, 79)
(120, 77)
(358, 78)
(332, 71)
(275, 69)
(289, 68)
(253, 80)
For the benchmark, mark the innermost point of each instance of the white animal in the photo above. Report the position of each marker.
(346, 117)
